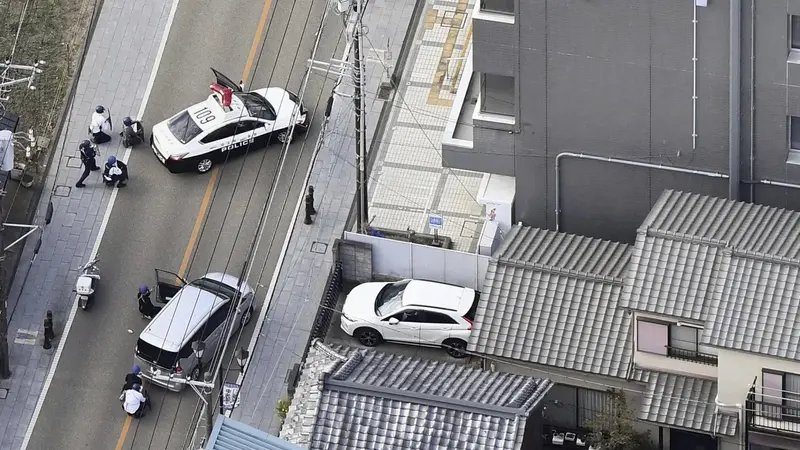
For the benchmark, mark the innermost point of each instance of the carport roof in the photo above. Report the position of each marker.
(229, 434)
(350, 398)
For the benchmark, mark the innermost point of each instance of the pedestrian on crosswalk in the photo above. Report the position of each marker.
(88, 155)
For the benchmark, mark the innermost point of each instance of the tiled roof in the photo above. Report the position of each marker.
(684, 402)
(551, 298)
(730, 264)
(229, 434)
(375, 400)
(755, 307)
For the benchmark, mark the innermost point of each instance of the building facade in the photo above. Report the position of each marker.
(595, 107)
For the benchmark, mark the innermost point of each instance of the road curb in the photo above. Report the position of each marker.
(69, 97)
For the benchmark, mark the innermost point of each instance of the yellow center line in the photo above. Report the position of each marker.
(206, 202)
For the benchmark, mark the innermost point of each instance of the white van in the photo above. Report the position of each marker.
(194, 311)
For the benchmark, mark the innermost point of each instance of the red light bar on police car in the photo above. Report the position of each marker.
(224, 93)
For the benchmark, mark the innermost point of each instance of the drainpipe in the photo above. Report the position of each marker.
(739, 412)
(735, 96)
(618, 161)
(752, 173)
(694, 78)
(779, 184)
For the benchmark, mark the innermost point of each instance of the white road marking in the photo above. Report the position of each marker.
(106, 216)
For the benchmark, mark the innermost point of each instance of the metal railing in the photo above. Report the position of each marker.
(774, 417)
(691, 355)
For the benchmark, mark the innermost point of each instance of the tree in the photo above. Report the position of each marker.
(614, 429)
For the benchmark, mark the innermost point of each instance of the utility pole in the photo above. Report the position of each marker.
(362, 200)
(6, 83)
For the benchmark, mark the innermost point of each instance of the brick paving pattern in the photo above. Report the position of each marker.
(115, 73)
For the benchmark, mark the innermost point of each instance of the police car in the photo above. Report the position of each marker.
(229, 122)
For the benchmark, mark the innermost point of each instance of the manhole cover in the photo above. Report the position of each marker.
(453, 19)
(319, 247)
(73, 162)
(26, 337)
(62, 191)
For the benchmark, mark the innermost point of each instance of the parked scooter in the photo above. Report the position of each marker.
(86, 283)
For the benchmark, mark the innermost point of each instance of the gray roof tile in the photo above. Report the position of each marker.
(373, 400)
(550, 298)
(683, 401)
(732, 265)
(756, 307)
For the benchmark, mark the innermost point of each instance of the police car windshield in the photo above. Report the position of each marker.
(184, 128)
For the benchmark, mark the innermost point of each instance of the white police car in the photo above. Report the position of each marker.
(230, 121)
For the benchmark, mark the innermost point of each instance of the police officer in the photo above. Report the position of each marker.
(88, 155)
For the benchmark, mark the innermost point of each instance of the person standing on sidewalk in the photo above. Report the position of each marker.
(88, 155)
(100, 126)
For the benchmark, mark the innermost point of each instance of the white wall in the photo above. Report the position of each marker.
(738, 369)
(664, 363)
(407, 260)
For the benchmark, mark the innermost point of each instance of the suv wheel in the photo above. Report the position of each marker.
(368, 337)
(456, 348)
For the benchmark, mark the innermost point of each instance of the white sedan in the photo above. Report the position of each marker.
(412, 312)
(230, 121)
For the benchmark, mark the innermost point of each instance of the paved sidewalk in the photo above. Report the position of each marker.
(115, 74)
(408, 182)
(285, 332)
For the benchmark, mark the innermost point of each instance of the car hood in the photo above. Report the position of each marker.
(360, 301)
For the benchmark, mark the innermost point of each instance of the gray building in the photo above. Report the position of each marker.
(596, 107)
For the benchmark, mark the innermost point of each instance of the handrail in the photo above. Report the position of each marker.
(691, 355)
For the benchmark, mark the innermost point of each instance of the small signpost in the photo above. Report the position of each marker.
(435, 222)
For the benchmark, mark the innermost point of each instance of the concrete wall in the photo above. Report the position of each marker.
(405, 260)
(356, 259)
(615, 78)
(737, 370)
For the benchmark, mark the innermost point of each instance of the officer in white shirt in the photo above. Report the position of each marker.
(100, 126)
(134, 402)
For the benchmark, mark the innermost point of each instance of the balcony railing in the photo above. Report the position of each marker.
(772, 417)
(690, 355)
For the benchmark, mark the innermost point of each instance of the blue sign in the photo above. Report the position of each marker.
(435, 222)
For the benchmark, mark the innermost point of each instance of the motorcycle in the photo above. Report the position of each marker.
(86, 283)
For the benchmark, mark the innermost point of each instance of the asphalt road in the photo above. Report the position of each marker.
(152, 221)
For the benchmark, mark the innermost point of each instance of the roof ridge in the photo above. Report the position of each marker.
(586, 276)
(763, 257)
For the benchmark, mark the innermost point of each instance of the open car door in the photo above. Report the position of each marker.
(224, 81)
(167, 285)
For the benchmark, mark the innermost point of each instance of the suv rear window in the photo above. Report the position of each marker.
(215, 287)
(184, 128)
(471, 313)
(155, 355)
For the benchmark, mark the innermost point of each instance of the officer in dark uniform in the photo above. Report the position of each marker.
(88, 155)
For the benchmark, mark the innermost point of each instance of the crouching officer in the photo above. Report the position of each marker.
(116, 172)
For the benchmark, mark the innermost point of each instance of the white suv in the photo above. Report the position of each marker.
(412, 312)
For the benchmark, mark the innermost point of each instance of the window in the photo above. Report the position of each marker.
(216, 320)
(794, 133)
(498, 94)
(257, 106)
(794, 32)
(183, 127)
(435, 317)
(222, 133)
(652, 337)
(572, 407)
(683, 338)
(498, 6)
(780, 395)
